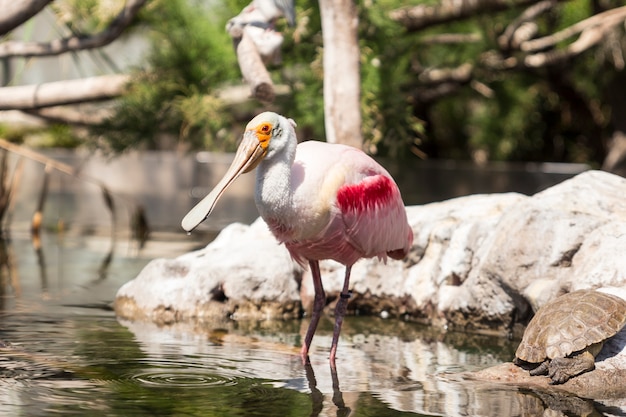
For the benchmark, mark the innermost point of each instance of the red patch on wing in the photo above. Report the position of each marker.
(367, 194)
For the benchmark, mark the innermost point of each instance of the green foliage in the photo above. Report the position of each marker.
(191, 55)
(389, 125)
(86, 16)
(61, 136)
(551, 113)
(572, 11)
(13, 133)
(554, 114)
(56, 135)
(510, 121)
(302, 70)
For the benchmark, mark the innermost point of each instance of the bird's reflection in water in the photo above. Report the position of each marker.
(317, 397)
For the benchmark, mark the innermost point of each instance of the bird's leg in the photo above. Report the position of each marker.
(318, 305)
(340, 311)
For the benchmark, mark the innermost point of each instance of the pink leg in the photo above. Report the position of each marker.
(340, 311)
(318, 305)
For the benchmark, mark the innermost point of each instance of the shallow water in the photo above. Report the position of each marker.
(67, 353)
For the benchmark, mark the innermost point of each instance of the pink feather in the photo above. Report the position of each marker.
(366, 214)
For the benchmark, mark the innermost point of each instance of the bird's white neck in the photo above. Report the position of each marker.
(273, 195)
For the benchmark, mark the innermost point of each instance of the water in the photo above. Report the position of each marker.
(68, 355)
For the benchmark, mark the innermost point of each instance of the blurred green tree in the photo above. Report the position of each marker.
(173, 96)
(483, 80)
(520, 80)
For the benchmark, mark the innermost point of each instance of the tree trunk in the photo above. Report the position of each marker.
(342, 112)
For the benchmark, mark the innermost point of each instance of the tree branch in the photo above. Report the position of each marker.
(592, 31)
(253, 69)
(440, 82)
(74, 43)
(597, 23)
(461, 74)
(451, 38)
(80, 116)
(511, 38)
(415, 18)
(586, 40)
(25, 97)
(14, 13)
(430, 95)
(72, 116)
(545, 51)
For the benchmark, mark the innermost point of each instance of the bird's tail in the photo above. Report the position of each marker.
(401, 253)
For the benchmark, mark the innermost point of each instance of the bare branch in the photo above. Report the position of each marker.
(441, 82)
(494, 61)
(510, 37)
(597, 23)
(75, 43)
(90, 115)
(236, 95)
(14, 13)
(451, 38)
(586, 41)
(592, 31)
(460, 74)
(253, 69)
(57, 93)
(416, 18)
(482, 89)
(72, 116)
(615, 51)
(430, 95)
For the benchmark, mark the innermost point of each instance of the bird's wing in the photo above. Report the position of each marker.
(373, 211)
(340, 188)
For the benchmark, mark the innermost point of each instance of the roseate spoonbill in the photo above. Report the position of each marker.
(323, 201)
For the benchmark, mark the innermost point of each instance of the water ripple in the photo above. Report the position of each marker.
(174, 373)
(182, 378)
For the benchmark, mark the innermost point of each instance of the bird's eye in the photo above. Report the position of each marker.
(265, 128)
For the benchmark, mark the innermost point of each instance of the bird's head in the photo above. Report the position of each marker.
(267, 135)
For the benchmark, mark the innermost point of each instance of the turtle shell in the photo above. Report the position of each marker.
(571, 323)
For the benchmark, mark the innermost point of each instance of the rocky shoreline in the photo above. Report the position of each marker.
(481, 263)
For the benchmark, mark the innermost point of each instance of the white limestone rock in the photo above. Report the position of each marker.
(243, 273)
(480, 263)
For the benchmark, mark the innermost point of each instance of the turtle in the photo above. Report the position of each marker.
(565, 335)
